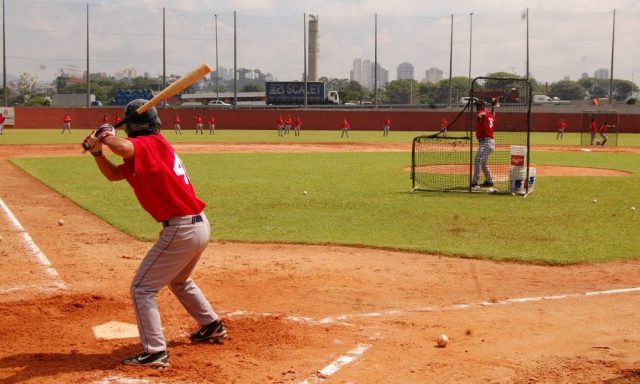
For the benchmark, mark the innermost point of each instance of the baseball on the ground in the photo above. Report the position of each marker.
(305, 192)
(633, 208)
(442, 340)
(60, 222)
(595, 201)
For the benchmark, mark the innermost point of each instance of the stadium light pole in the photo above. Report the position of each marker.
(304, 51)
(613, 40)
(470, 45)
(235, 63)
(451, 62)
(88, 82)
(527, 64)
(4, 57)
(215, 16)
(164, 53)
(375, 66)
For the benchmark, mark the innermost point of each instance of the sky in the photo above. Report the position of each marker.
(565, 38)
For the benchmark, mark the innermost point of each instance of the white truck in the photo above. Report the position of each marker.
(544, 99)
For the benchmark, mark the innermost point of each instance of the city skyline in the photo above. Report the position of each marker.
(562, 42)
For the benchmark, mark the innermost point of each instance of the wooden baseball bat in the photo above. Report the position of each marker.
(173, 88)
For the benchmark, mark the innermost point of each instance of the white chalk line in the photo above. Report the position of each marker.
(344, 319)
(337, 364)
(31, 246)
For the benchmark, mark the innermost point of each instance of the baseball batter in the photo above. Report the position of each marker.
(485, 121)
(162, 186)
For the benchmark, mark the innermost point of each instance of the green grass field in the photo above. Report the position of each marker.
(364, 199)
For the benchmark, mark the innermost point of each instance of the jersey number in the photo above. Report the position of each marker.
(179, 169)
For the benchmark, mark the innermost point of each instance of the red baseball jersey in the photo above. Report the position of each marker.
(562, 125)
(176, 120)
(485, 124)
(198, 120)
(105, 119)
(159, 179)
(66, 118)
(288, 120)
(212, 120)
(345, 124)
(117, 119)
(387, 121)
(280, 121)
(1, 118)
(594, 127)
(298, 121)
(604, 128)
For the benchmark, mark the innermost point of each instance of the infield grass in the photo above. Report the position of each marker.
(364, 199)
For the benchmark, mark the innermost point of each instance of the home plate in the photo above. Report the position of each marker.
(115, 330)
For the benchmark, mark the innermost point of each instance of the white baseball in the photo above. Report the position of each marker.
(442, 340)
(60, 222)
(633, 208)
(595, 201)
(305, 192)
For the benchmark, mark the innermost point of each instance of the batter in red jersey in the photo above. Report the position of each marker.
(485, 122)
(163, 188)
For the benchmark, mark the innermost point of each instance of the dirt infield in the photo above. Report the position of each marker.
(301, 314)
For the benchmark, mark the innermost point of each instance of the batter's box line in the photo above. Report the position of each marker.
(344, 319)
(337, 364)
(33, 248)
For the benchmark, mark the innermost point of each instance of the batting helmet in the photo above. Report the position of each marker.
(144, 124)
(480, 104)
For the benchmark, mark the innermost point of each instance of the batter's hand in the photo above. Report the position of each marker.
(103, 131)
(91, 143)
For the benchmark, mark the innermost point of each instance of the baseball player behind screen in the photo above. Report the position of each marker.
(162, 186)
(485, 122)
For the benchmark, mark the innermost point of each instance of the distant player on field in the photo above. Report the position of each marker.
(604, 132)
(561, 127)
(593, 128)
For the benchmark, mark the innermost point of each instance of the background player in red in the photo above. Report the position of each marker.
(561, 127)
(485, 121)
(287, 125)
(345, 127)
(105, 119)
(212, 125)
(199, 124)
(444, 125)
(162, 186)
(66, 123)
(280, 125)
(297, 125)
(593, 127)
(604, 132)
(117, 119)
(176, 125)
(386, 126)
(1, 123)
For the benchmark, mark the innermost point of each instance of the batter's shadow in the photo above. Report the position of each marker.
(42, 365)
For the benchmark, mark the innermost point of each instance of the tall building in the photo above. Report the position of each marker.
(314, 48)
(405, 71)
(601, 73)
(433, 75)
(363, 72)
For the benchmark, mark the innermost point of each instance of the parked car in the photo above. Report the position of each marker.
(218, 103)
(465, 100)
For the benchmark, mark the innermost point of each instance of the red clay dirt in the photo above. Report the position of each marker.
(301, 314)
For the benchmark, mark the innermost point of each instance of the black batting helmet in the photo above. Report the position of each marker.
(480, 104)
(144, 124)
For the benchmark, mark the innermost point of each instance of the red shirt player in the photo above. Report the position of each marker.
(485, 123)
(199, 124)
(280, 125)
(345, 127)
(561, 127)
(604, 130)
(105, 119)
(117, 119)
(176, 125)
(66, 123)
(212, 125)
(297, 125)
(386, 126)
(161, 184)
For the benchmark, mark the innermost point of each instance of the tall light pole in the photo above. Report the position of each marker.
(450, 60)
(217, 69)
(613, 40)
(4, 57)
(470, 44)
(88, 76)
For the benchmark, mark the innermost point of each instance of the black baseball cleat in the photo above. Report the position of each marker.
(475, 186)
(214, 331)
(158, 360)
(486, 184)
